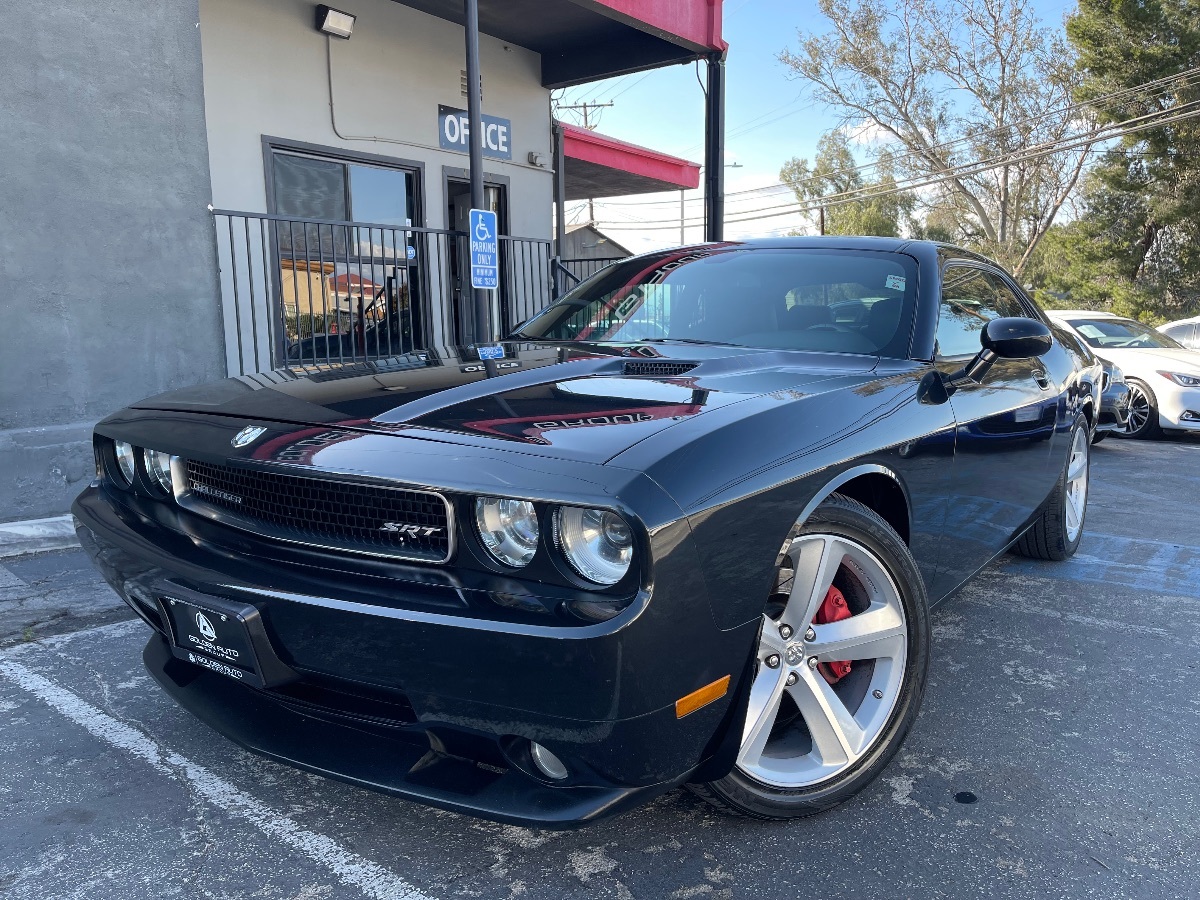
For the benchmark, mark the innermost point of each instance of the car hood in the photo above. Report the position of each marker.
(578, 401)
(1147, 361)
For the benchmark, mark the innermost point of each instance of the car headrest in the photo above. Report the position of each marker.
(882, 320)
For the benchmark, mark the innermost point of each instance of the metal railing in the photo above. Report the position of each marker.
(582, 269)
(304, 292)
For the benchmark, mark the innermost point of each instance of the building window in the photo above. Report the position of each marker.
(308, 187)
(349, 288)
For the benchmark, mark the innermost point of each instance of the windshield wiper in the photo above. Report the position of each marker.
(686, 341)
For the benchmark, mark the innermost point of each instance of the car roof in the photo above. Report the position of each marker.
(1194, 320)
(842, 242)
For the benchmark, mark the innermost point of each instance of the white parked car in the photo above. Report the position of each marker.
(1163, 375)
(1186, 331)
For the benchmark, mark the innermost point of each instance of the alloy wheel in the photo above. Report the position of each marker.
(1139, 410)
(1077, 484)
(824, 689)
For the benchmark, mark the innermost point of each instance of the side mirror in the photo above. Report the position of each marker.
(1016, 338)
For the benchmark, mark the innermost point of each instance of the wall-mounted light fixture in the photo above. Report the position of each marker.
(334, 21)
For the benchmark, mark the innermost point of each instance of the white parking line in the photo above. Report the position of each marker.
(373, 880)
(9, 580)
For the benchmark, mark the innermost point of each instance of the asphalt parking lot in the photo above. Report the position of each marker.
(1056, 756)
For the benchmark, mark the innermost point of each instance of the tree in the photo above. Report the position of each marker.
(834, 171)
(954, 83)
(1138, 238)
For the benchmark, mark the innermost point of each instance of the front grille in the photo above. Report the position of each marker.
(339, 515)
(661, 368)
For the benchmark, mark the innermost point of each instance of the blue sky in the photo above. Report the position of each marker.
(769, 119)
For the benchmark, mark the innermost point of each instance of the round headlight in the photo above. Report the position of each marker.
(126, 460)
(158, 464)
(597, 543)
(508, 528)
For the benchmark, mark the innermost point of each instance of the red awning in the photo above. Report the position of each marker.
(585, 40)
(601, 166)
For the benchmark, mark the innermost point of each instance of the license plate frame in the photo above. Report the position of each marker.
(221, 635)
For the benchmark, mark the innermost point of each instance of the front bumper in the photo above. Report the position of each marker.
(1178, 406)
(440, 709)
(1114, 408)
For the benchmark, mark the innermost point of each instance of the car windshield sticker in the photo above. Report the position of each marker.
(895, 282)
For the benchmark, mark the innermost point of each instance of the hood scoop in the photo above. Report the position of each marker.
(661, 368)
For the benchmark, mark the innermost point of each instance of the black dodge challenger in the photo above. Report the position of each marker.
(683, 527)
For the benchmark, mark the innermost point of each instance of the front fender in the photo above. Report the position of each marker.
(745, 484)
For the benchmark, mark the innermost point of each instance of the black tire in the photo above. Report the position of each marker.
(1098, 436)
(1150, 427)
(1049, 537)
(738, 793)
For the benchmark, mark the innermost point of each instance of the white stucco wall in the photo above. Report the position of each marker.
(266, 73)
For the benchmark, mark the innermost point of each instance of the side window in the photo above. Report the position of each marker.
(1181, 333)
(1007, 304)
(970, 299)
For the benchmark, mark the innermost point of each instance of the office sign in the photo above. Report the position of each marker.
(454, 130)
(485, 250)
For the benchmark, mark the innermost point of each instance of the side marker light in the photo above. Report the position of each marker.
(701, 698)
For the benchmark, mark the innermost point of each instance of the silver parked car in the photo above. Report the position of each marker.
(1186, 331)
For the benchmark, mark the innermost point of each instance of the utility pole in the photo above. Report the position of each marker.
(483, 302)
(584, 107)
(682, 239)
(822, 218)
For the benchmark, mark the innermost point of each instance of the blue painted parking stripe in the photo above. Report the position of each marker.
(1160, 567)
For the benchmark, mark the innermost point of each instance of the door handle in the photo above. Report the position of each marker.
(1042, 378)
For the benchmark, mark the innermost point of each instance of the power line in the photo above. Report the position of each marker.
(585, 107)
(1119, 129)
(1135, 124)
(1187, 74)
(1036, 151)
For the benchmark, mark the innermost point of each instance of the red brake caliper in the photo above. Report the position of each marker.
(833, 609)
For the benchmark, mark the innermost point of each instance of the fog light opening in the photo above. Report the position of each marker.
(1191, 416)
(547, 763)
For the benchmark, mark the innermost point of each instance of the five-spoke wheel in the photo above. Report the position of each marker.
(1058, 528)
(804, 723)
(1078, 471)
(839, 668)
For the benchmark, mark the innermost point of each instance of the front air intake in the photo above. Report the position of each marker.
(661, 368)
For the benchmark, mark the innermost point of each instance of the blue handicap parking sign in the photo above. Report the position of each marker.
(485, 250)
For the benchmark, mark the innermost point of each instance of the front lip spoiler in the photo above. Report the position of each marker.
(405, 769)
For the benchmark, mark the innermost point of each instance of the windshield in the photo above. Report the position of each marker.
(840, 301)
(1122, 334)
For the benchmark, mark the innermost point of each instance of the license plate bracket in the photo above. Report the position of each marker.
(222, 635)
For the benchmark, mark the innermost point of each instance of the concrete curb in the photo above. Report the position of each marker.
(36, 536)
